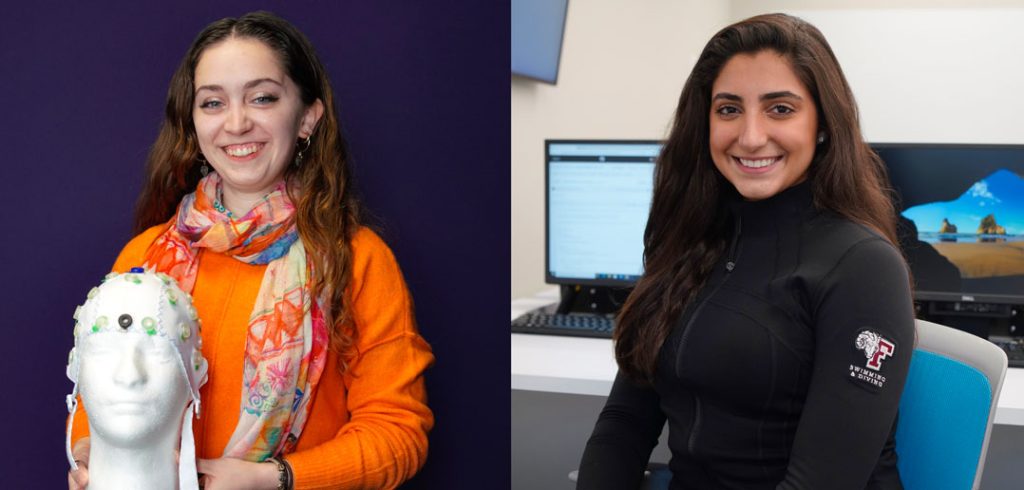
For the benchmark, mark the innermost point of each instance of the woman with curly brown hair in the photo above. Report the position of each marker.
(773, 325)
(315, 362)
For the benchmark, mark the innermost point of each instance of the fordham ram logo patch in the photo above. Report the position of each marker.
(874, 350)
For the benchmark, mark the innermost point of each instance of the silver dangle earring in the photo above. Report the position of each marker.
(298, 153)
(205, 170)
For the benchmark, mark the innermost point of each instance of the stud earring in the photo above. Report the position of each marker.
(821, 137)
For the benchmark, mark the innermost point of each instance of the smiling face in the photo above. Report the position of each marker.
(248, 115)
(764, 125)
(132, 387)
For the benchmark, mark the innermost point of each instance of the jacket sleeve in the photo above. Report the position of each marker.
(625, 434)
(385, 441)
(864, 338)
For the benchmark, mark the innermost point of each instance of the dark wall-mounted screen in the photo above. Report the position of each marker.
(961, 218)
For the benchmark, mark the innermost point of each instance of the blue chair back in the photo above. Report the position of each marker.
(947, 408)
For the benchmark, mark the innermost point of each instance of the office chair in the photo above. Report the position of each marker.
(947, 408)
(945, 415)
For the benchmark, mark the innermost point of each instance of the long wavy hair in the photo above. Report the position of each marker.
(327, 209)
(687, 227)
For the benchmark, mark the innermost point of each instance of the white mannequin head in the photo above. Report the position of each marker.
(132, 388)
(137, 365)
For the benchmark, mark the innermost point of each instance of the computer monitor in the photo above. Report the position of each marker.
(597, 197)
(961, 219)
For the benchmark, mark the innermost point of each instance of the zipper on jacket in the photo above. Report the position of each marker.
(730, 258)
(730, 264)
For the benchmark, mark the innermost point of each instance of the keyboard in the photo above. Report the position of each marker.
(575, 324)
(1013, 346)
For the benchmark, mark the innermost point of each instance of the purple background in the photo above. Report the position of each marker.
(422, 88)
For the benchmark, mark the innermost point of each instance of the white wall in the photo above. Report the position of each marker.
(623, 65)
(932, 75)
(922, 71)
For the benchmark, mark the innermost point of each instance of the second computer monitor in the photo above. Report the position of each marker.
(598, 195)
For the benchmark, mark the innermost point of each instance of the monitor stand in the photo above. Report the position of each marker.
(596, 300)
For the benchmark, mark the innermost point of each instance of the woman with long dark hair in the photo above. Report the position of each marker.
(315, 362)
(773, 325)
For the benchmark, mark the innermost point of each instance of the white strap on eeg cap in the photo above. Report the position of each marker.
(188, 476)
(72, 408)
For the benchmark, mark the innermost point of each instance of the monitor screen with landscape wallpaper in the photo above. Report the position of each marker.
(961, 221)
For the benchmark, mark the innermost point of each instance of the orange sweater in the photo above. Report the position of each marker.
(366, 429)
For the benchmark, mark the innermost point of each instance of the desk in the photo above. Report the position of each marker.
(583, 366)
(559, 385)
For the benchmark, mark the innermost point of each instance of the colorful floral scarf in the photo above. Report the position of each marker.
(285, 349)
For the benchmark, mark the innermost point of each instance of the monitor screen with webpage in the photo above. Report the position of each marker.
(961, 221)
(598, 193)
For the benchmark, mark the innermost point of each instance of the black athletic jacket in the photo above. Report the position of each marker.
(784, 372)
